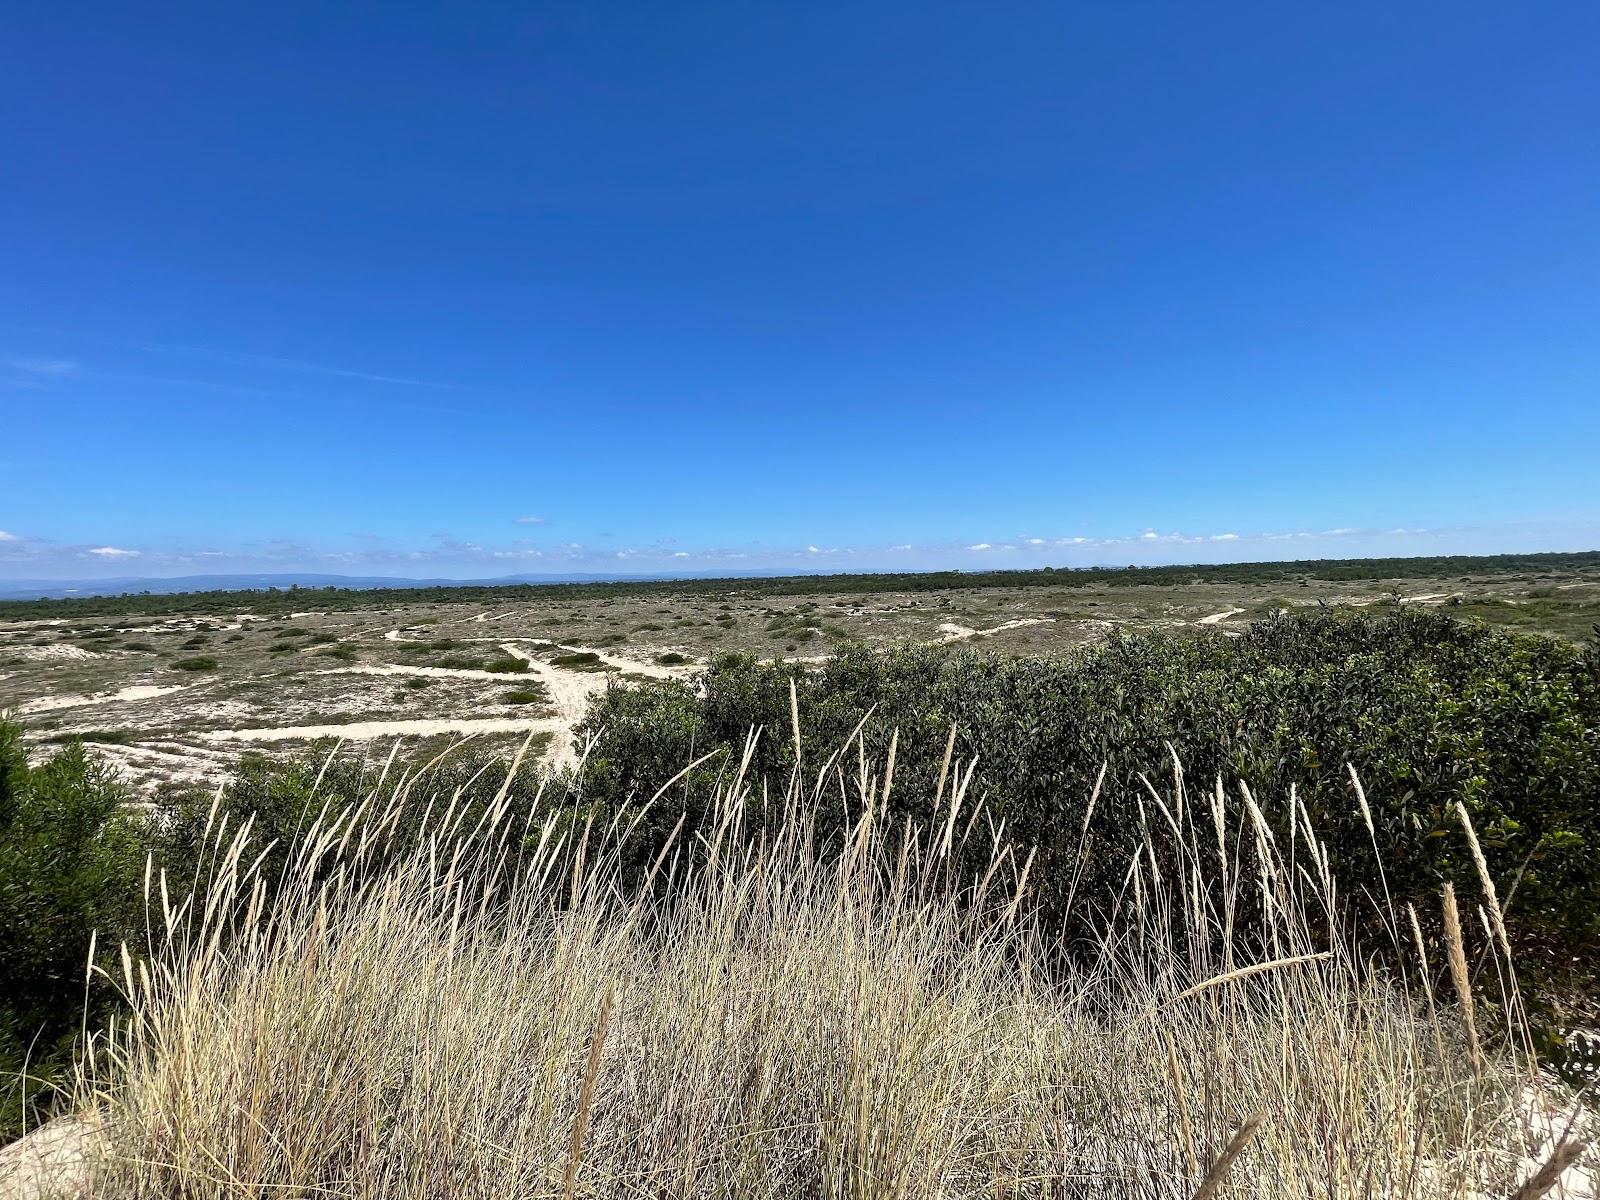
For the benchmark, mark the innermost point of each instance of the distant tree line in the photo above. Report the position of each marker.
(337, 599)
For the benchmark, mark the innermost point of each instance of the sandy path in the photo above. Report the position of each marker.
(1218, 618)
(143, 691)
(570, 693)
(361, 731)
(962, 633)
(424, 672)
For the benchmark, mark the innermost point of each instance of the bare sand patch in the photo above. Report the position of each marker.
(59, 651)
(142, 691)
(963, 633)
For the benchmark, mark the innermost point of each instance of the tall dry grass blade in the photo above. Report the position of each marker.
(1562, 1159)
(1457, 954)
(1246, 972)
(1219, 1170)
(1487, 880)
(1427, 979)
(1181, 1093)
(591, 1072)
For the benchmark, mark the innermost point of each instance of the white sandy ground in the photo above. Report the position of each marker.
(963, 633)
(39, 653)
(54, 1160)
(142, 691)
(1218, 618)
(570, 692)
(1420, 598)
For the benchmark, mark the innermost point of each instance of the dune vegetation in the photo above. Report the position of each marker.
(1298, 913)
(434, 997)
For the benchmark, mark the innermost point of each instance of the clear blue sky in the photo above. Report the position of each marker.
(474, 289)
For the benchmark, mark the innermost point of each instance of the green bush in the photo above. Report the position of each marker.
(581, 658)
(1431, 711)
(71, 861)
(200, 662)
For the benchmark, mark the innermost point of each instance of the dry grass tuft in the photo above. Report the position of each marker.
(528, 1005)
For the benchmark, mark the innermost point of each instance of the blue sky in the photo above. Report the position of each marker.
(482, 289)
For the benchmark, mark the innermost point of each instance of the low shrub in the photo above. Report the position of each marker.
(580, 658)
(71, 861)
(1435, 713)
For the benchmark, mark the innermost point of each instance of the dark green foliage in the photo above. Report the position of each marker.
(582, 658)
(1431, 711)
(342, 652)
(71, 861)
(335, 599)
(526, 696)
(119, 737)
(671, 659)
(502, 664)
(285, 798)
(200, 662)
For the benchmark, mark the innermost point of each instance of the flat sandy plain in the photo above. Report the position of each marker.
(175, 696)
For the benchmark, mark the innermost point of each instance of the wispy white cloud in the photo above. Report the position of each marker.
(44, 366)
(531, 521)
(980, 546)
(112, 552)
(271, 362)
(8, 537)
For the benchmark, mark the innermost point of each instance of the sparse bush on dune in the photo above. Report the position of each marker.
(1433, 712)
(70, 857)
(510, 1008)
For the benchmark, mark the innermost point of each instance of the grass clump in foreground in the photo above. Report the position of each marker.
(436, 998)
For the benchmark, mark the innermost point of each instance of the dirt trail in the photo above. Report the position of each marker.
(570, 692)
(424, 672)
(1220, 617)
(143, 691)
(963, 633)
